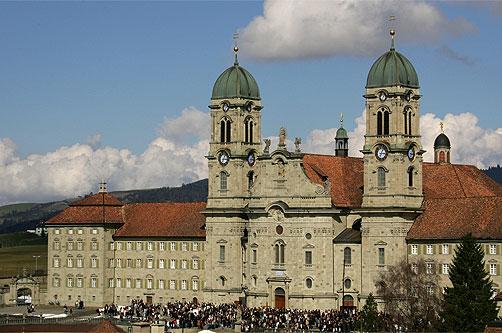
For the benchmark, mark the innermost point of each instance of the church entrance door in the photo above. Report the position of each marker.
(280, 298)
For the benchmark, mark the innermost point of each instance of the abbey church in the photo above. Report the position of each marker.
(285, 228)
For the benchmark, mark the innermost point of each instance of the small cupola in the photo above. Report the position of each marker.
(102, 187)
(442, 148)
(341, 141)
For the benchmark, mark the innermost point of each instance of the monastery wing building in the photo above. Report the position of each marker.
(282, 227)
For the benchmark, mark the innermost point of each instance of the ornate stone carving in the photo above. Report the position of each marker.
(276, 214)
(268, 142)
(298, 142)
(282, 138)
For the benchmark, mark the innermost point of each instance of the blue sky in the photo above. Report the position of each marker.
(111, 74)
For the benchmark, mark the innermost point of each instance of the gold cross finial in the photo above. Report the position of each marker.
(341, 119)
(392, 31)
(441, 124)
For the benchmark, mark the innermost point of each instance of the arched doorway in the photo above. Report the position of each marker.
(23, 296)
(280, 298)
(348, 301)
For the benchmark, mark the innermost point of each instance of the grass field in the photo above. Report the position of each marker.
(14, 259)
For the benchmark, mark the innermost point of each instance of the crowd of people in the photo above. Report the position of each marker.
(212, 316)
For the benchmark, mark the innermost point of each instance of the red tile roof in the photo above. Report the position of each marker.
(98, 199)
(105, 327)
(88, 214)
(174, 219)
(345, 175)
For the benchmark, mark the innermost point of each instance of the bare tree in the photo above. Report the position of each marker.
(411, 294)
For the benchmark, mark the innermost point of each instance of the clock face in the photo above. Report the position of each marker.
(223, 158)
(381, 153)
(225, 106)
(382, 96)
(411, 153)
(251, 159)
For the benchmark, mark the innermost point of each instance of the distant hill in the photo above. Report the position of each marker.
(495, 173)
(20, 217)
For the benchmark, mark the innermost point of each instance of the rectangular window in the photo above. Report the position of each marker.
(162, 263)
(94, 231)
(429, 249)
(110, 283)
(94, 245)
(308, 258)
(80, 263)
(119, 283)
(195, 246)
(94, 282)
(69, 246)
(138, 263)
(149, 283)
(222, 253)
(57, 246)
(119, 246)
(172, 284)
(138, 283)
(139, 246)
(445, 249)
(56, 262)
(111, 246)
(162, 246)
(161, 284)
(119, 263)
(149, 246)
(55, 282)
(80, 245)
(381, 256)
(195, 264)
(195, 284)
(429, 268)
(414, 268)
(70, 231)
(110, 262)
(128, 283)
(493, 249)
(70, 262)
(57, 231)
(80, 282)
(128, 246)
(173, 246)
(444, 268)
(184, 246)
(414, 249)
(183, 284)
(129, 263)
(172, 264)
(80, 231)
(184, 264)
(69, 282)
(255, 256)
(149, 263)
(94, 262)
(493, 269)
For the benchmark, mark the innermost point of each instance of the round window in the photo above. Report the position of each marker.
(279, 229)
(348, 283)
(308, 283)
(308, 235)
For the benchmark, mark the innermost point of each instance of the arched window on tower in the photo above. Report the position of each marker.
(441, 157)
(250, 179)
(381, 177)
(410, 176)
(248, 130)
(409, 121)
(379, 123)
(347, 256)
(225, 130)
(386, 123)
(223, 181)
(405, 113)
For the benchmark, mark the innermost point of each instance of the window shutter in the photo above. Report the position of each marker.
(190, 264)
(487, 249)
(409, 248)
(201, 264)
(419, 249)
(497, 248)
(439, 268)
(434, 249)
(449, 249)
(487, 268)
(498, 269)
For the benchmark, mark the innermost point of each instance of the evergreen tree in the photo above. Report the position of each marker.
(369, 320)
(468, 304)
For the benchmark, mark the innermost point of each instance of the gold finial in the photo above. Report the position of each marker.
(341, 119)
(392, 31)
(441, 125)
(236, 48)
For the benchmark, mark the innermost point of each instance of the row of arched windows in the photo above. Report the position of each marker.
(383, 121)
(224, 180)
(226, 130)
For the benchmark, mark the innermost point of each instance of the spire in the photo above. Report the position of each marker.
(441, 125)
(341, 120)
(102, 186)
(236, 49)
(392, 33)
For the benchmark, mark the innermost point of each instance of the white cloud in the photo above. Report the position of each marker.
(70, 171)
(471, 144)
(310, 29)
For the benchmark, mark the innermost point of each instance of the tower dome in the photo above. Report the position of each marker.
(442, 141)
(392, 69)
(236, 82)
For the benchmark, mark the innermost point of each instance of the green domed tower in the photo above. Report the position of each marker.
(341, 141)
